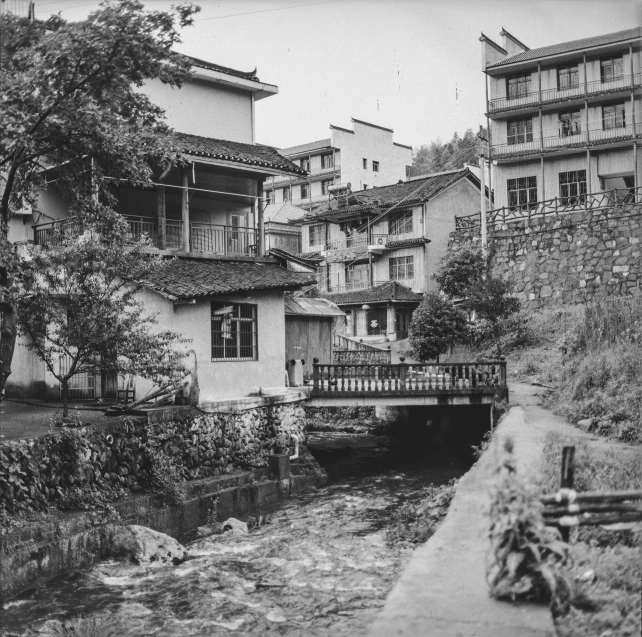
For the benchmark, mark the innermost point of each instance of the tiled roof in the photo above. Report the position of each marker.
(283, 212)
(567, 47)
(404, 243)
(408, 192)
(249, 154)
(390, 291)
(306, 148)
(246, 75)
(283, 255)
(311, 256)
(311, 307)
(186, 278)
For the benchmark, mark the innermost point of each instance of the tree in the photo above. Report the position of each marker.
(436, 325)
(451, 155)
(71, 110)
(77, 303)
(461, 270)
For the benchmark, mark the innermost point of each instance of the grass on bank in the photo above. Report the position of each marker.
(605, 572)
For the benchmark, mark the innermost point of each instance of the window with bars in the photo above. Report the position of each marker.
(520, 131)
(327, 161)
(286, 194)
(234, 332)
(305, 191)
(612, 68)
(570, 123)
(317, 235)
(401, 268)
(305, 164)
(269, 196)
(613, 116)
(375, 166)
(573, 187)
(522, 193)
(568, 76)
(400, 223)
(357, 273)
(518, 85)
(325, 185)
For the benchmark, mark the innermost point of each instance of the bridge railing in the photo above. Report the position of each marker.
(406, 379)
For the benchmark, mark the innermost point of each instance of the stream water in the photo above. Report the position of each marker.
(321, 565)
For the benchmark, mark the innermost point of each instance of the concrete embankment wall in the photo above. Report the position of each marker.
(566, 258)
(172, 470)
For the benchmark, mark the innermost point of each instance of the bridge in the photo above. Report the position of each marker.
(405, 384)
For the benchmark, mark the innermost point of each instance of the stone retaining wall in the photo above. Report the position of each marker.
(566, 258)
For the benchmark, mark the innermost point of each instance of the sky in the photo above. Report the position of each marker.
(410, 65)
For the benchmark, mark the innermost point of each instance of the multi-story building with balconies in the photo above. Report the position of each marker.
(379, 247)
(565, 119)
(364, 157)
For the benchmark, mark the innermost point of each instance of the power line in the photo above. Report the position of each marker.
(296, 6)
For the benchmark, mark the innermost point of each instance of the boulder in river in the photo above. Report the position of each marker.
(235, 526)
(141, 545)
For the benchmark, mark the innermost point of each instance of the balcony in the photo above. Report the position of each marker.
(203, 237)
(570, 140)
(349, 248)
(614, 199)
(559, 95)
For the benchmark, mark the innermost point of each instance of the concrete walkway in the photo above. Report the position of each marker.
(443, 590)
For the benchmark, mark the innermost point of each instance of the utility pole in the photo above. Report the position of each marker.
(483, 208)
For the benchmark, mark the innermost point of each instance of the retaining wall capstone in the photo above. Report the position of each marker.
(567, 258)
(101, 464)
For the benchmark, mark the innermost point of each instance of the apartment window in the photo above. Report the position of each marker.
(400, 223)
(317, 234)
(234, 332)
(377, 321)
(573, 187)
(612, 68)
(325, 185)
(305, 191)
(305, 164)
(568, 76)
(401, 268)
(365, 186)
(570, 123)
(522, 192)
(357, 273)
(365, 163)
(269, 196)
(286, 194)
(520, 131)
(375, 166)
(613, 116)
(327, 161)
(518, 85)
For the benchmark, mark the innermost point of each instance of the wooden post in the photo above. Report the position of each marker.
(161, 217)
(567, 479)
(185, 212)
(259, 209)
(315, 374)
(484, 232)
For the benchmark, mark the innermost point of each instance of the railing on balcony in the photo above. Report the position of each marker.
(403, 379)
(569, 139)
(343, 287)
(55, 233)
(357, 241)
(205, 237)
(610, 199)
(552, 95)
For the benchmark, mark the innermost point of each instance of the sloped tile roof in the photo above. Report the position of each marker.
(306, 148)
(203, 64)
(300, 306)
(186, 278)
(249, 154)
(567, 47)
(408, 192)
(390, 291)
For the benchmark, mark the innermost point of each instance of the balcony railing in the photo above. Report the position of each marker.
(357, 241)
(570, 139)
(211, 238)
(610, 199)
(563, 94)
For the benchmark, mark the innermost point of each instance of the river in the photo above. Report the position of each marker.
(320, 563)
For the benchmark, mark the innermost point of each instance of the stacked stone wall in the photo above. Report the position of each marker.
(76, 467)
(566, 258)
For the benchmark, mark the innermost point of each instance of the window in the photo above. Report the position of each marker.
(400, 223)
(401, 268)
(365, 163)
(518, 85)
(327, 161)
(305, 164)
(520, 131)
(375, 166)
(377, 320)
(570, 123)
(613, 116)
(286, 194)
(573, 187)
(317, 235)
(269, 196)
(568, 77)
(522, 192)
(305, 191)
(234, 332)
(357, 273)
(611, 68)
(325, 185)
(365, 186)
